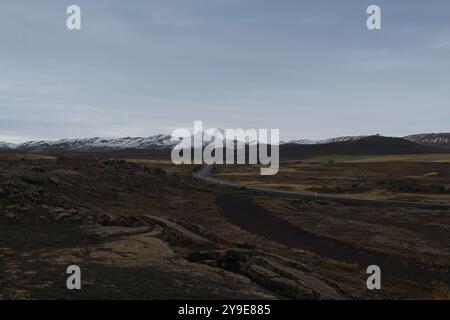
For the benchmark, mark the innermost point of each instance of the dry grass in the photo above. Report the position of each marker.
(166, 164)
(23, 156)
(445, 157)
(442, 292)
(409, 181)
(346, 266)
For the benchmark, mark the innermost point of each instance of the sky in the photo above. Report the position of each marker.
(309, 68)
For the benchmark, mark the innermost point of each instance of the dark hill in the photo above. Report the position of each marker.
(372, 145)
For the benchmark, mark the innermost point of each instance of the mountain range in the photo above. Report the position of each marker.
(375, 144)
(363, 145)
(325, 141)
(156, 142)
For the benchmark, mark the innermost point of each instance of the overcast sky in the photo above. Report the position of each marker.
(138, 68)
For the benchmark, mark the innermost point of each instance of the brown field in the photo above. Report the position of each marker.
(445, 157)
(142, 228)
(390, 180)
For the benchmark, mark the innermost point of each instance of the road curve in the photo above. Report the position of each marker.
(205, 170)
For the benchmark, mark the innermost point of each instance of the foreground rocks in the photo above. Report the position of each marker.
(117, 262)
(157, 258)
(150, 231)
(275, 273)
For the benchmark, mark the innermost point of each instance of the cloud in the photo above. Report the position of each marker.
(148, 66)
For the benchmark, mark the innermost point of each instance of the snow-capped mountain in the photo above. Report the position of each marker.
(301, 141)
(167, 142)
(157, 142)
(6, 145)
(431, 139)
(325, 141)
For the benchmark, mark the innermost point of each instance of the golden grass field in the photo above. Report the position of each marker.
(392, 177)
(383, 158)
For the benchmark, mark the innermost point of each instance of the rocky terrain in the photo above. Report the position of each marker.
(141, 228)
(136, 231)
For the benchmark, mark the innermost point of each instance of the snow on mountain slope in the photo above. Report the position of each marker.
(6, 145)
(330, 140)
(431, 139)
(302, 141)
(166, 142)
(157, 142)
(154, 142)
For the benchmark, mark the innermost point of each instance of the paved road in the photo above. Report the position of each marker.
(205, 170)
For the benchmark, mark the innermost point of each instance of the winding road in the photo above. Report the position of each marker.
(269, 226)
(205, 170)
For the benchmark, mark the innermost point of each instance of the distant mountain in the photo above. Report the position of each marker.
(295, 149)
(441, 140)
(325, 141)
(368, 145)
(157, 142)
(6, 145)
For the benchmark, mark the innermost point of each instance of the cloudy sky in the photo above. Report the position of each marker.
(141, 67)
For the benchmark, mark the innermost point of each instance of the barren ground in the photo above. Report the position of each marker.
(141, 228)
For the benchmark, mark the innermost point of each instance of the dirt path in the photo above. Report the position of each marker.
(243, 212)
